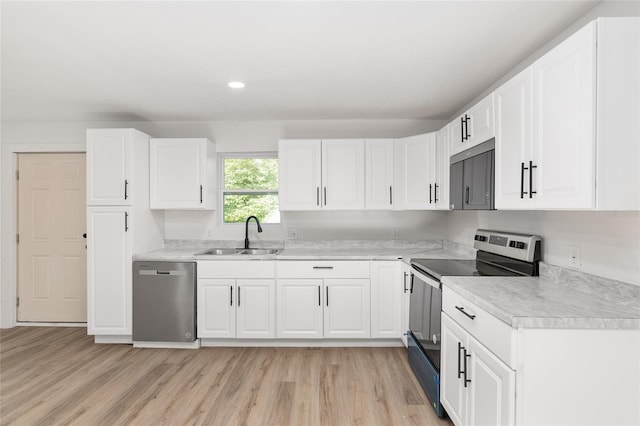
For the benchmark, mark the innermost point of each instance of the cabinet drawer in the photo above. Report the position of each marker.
(323, 269)
(236, 269)
(499, 337)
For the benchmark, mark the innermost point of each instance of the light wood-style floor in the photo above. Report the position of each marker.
(59, 376)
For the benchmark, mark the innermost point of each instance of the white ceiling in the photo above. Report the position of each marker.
(165, 61)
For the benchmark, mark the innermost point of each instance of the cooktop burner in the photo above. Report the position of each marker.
(460, 268)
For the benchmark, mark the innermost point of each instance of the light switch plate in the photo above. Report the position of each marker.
(292, 234)
(575, 256)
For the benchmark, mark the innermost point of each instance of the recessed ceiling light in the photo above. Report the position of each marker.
(236, 84)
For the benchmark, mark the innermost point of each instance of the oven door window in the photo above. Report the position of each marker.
(424, 317)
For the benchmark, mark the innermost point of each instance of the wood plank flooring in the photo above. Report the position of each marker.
(51, 376)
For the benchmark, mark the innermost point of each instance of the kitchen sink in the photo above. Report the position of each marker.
(258, 251)
(233, 251)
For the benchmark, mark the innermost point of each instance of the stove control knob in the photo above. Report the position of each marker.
(512, 244)
(520, 245)
(480, 238)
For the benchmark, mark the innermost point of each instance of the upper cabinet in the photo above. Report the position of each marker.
(183, 174)
(423, 165)
(317, 174)
(473, 127)
(379, 174)
(566, 127)
(109, 174)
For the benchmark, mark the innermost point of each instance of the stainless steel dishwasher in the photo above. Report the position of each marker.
(164, 301)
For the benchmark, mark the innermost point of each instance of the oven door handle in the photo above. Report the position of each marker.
(426, 279)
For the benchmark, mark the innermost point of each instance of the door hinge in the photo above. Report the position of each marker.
(17, 301)
(17, 238)
(17, 174)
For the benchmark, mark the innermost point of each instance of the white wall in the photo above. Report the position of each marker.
(609, 241)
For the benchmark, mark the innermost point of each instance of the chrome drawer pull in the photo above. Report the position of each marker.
(323, 267)
(461, 309)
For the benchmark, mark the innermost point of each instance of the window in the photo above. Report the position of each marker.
(249, 187)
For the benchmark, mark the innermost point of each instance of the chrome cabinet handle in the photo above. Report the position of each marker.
(404, 281)
(238, 296)
(323, 267)
(327, 296)
(126, 221)
(126, 187)
(230, 295)
(200, 194)
(435, 192)
(460, 347)
(430, 200)
(390, 196)
(317, 195)
(325, 195)
(461, 309)
(319, 302)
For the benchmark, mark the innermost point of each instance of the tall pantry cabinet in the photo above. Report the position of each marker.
(119, 223)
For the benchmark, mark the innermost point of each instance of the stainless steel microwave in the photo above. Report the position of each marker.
(472, 178)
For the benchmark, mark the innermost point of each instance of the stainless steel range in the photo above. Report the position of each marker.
(499, 254)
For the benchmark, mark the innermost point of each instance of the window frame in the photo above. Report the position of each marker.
(222, 191)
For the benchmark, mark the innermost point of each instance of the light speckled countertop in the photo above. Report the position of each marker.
(559, 298)
(317, 250)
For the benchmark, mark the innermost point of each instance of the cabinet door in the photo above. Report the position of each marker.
(404, 309)
(480, 122)
(178, 173)
(441, 185)
(477, 172)
(379, 174)
(564, 124)
(452, 390)
(491, 392)
(343, 174)
(109, 154)
(299, 174)
(386, 295)
(109, 250)
(457, 136)
(256, 309)
(513, 142)
(299, 308)
(216, 308)
(415, 171)
(347, 308)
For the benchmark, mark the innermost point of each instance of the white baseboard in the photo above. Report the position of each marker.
(302, 343)
(113, 339)
(51, 324)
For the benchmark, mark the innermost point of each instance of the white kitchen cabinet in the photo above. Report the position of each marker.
(216, 308)
(441, 166)
(415, 170)
(476, 387)
(405, 271)
(343, 174)
(109, 250)
(379, 174)
(326, 174)
(516, 374)
(119, 224)
(183, 174)
(345, 296)
(347, 308)
(564, 138)
(513, 142)
(236, 299)
(300, 309)
(255, 313)
(473, 127)
(109, 174)
(386, 299)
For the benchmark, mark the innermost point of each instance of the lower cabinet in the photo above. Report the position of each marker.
(324, 299)
(239, 307)
(329, 308)
(405, 276)
(476, 386)
(386, 299)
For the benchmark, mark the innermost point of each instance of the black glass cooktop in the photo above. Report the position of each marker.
(439, 268)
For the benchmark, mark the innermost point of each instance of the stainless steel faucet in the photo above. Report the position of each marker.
(246, 230)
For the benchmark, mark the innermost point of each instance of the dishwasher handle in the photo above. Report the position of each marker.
(159, 272)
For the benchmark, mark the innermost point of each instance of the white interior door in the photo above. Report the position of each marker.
(52, 263)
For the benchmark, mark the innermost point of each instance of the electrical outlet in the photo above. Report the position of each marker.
(292, 234)
(574, 256)
(395, 234)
